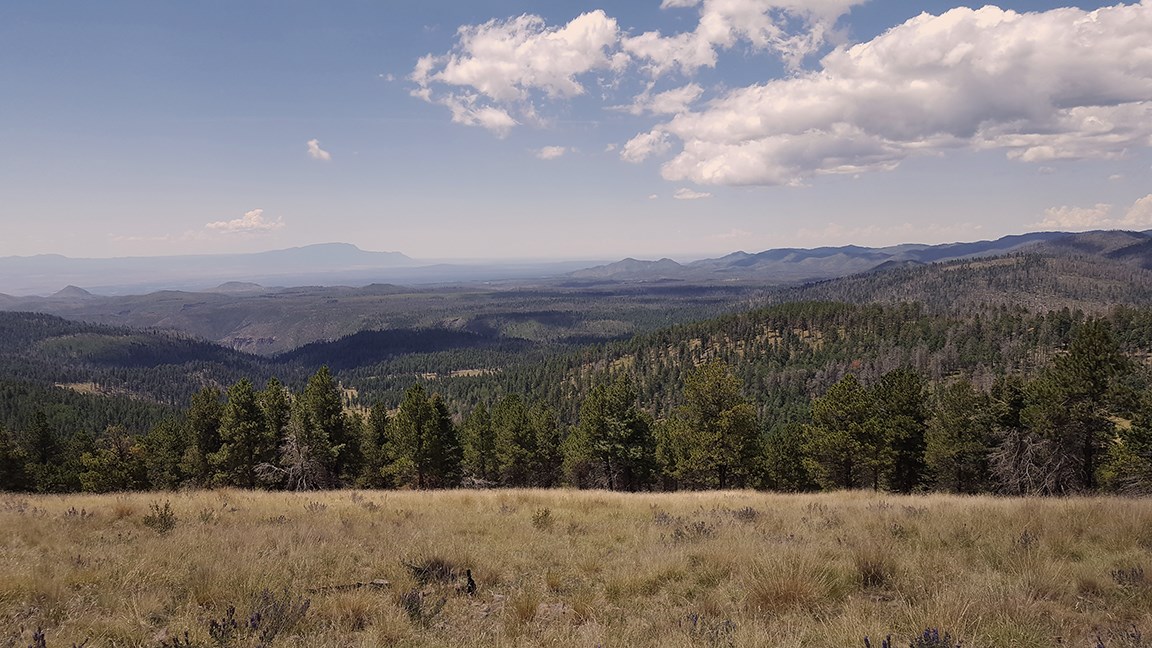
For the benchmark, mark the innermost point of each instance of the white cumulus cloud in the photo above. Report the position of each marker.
(499, 73)
(763, 25)
(1061, 84)
(644, 146)
(1099, 216)
(1140, 214)
(669, 102)
(317, 153)
(1040, 86)
(503, 66)
(1076, 218)
(252, 222)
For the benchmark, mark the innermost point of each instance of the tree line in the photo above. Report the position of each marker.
(1081, 424)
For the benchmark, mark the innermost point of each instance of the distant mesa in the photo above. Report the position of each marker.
(237, 287)
(72, 292)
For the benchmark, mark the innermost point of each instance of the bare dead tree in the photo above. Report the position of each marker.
(301, 465)
(1024, 463)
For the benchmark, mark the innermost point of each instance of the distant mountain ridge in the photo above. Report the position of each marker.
(46, 273)
(333, 264)
(787, 265)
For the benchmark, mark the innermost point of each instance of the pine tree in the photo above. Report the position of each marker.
(164, 448)
(959, 438)
(722, 449)
(515, 441)
(843, 448)
(52, 461)
(428, 452)
(784, 468)
(323, 409)
(479, 439)
(203, 424)
(900, 410)
(375, 448)
(276, 406)
(116, 464)
(548, 458)
(1069, 408)
(246, 439)
(613, 445)
(13, 476)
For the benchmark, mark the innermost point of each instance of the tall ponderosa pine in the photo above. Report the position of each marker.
(843, 448)
(479, 440)
(246, 439)
(276, 405)
(958, 439)
(203, 430)
(784, 468)
(719, 444)
(375, 449)
(899, 400)
(527, 443)
(428, 452)
(13, 475)
(164, 447)
(322, 409)
(53, 460)
(612, 446)
(1069, 408)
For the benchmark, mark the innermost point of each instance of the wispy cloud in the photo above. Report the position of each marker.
(551, 152)
(252, 222)
(731, 235)
(317, 153)
(684, 193)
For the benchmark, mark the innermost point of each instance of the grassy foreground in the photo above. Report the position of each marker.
(567, 568)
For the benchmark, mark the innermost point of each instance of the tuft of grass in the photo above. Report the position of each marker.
(875, 566)
(522, 607)
(160, 519)
(542, 519)
(122, 508)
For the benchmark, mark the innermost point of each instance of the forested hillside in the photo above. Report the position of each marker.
(159, 367)
(1032, 281)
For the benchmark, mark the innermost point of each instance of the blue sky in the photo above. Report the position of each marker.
(505, 129)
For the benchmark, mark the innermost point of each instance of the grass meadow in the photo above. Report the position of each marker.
(571, 568)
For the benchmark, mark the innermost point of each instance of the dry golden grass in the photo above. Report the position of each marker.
(567, 568)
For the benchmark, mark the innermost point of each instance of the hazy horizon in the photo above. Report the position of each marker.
(678, 257)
